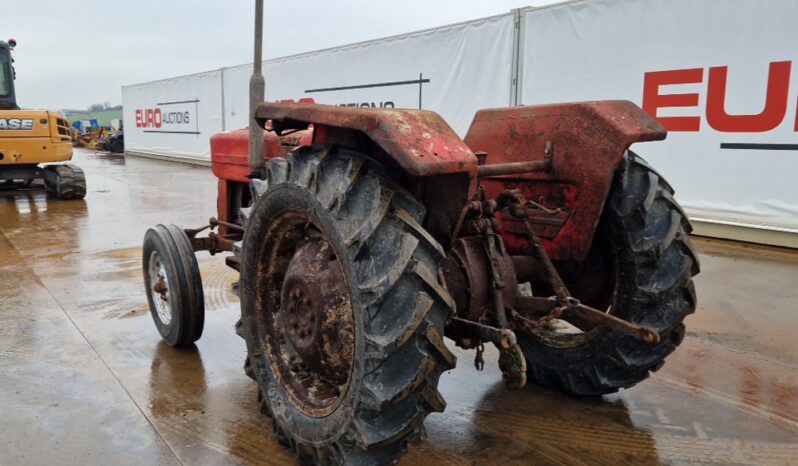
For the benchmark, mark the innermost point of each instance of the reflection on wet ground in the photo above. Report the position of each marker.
(84, 378)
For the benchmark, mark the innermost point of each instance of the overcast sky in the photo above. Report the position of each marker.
(73, 54)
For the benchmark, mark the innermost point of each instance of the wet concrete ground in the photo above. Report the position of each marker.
(84, 378)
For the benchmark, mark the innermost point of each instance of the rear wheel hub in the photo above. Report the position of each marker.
(313, 300)
(310, 330)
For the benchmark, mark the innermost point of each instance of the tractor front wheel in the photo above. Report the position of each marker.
(640, 269)
(341, 308)
(173, 285)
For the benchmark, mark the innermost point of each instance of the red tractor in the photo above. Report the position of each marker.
(365, 236)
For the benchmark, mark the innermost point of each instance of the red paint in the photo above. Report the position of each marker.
(589, 140)
(419, 141)
(778, 88)
(149, 118)
(653, 100)
(229, 160)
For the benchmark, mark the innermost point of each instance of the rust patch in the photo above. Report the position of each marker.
(306, 314)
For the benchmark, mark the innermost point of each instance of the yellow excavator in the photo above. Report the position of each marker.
(33, 141)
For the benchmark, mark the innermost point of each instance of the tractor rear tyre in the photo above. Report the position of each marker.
(341, 308)
(640, 267)
(173, 284)
(65, 181)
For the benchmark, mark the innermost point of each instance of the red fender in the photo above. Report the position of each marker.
(419, 141)
(588, 141)
(435, 164)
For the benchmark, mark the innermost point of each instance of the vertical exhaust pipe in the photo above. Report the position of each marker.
(257, 86)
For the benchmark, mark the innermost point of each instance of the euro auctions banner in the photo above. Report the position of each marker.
(454, 70)
(173, 117)
(721, 76)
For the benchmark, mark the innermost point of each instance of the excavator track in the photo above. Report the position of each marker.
(65, 181)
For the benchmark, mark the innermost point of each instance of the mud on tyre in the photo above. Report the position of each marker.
(342, 309)
(640, 267)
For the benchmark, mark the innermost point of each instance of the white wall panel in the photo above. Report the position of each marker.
(602, 49)
(454, 70)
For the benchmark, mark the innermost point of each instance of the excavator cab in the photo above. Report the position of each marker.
(8, 100)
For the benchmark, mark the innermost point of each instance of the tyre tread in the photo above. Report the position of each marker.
(659, 276)
(394, 259)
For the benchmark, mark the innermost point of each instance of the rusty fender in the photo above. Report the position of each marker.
(585, 141)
